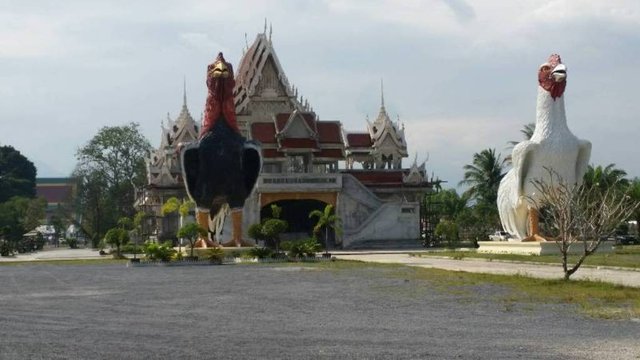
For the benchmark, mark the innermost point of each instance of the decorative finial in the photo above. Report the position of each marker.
(184, 91)
(246, 42)
(265, 26)
(381, 93)
(270, 31)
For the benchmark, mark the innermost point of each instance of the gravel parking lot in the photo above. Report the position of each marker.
(282, 312)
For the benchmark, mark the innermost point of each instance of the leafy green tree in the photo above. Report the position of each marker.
(449, 203)
(111, 166)
(117, 237)
(20, 215)
(271, 230)
(183, 208)
(326, 219)
(483, 177)
(17, 175)
(191, 232)
(448, 230)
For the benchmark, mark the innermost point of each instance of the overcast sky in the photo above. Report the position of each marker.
(461, 75)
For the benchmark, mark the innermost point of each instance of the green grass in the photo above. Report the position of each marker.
(593, 298)
(623, 256)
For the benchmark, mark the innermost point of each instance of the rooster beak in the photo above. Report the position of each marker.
(559, 73)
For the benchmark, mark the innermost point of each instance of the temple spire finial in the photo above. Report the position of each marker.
(381, 92)
(184, 91)
(270, 31)
(265, 26)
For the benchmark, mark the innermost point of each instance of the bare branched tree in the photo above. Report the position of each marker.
(581, 215)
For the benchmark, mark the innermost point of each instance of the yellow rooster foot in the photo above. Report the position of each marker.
(203, 243)
(534, 238)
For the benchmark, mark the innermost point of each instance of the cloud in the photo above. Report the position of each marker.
(29, 36)
(201, 42)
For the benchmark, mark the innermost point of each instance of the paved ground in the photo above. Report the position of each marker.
(617, 276)
(282, 312)
(61, 253)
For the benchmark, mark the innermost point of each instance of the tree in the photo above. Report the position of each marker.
(20, 215)
(582, 215)
(117, 237)
(450, 204)
(181, 207)
(111, 166)
(270, 229)
(483, 177)
(326, 219)
(448, 230)
(527, 132)
(634, 193)
(605, 178)
(191, 232)
(17, 175)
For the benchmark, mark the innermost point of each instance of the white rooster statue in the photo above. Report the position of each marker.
(551, 147)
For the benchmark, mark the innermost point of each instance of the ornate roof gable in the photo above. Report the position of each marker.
(260, 74)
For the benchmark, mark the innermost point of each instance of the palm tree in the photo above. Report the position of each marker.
(483, 177)
(605, 177)
(527, 132)
(326, 219)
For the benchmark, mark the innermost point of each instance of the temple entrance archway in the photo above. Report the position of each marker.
(296, 214)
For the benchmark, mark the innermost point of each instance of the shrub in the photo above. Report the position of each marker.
(6, 249)
(215, 255)
(161, 252)
(260, 252)
(305, 248)
(72, 243)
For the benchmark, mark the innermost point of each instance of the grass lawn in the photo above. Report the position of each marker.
(622, 256)
(595, 299)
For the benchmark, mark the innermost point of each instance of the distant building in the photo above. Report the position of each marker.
(56, 191)
(164, 174)
(308, 162)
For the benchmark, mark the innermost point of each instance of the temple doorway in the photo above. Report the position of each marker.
(296, 214)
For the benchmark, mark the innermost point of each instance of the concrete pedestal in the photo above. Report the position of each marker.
(535, 248)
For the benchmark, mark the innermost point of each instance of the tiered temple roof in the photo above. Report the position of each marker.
(163, 164)
(383, 146)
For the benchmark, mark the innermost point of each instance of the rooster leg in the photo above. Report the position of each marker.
(534, 228)
(203, 241)
(236, 233)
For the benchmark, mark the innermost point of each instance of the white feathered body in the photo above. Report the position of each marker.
(552, 147)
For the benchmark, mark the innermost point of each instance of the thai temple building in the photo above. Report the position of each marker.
(309, 162)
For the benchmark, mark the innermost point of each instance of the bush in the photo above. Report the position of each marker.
(161, 252)
(215, 255)
(131, 248)
(305, 248)
(6, 249)
(260, 252)
(73, 243)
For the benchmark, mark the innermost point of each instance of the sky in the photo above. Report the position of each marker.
(461, 75)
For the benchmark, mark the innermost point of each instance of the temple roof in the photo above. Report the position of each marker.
(299, 132)
(258, 58)
(163, 165)
(358, 140)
